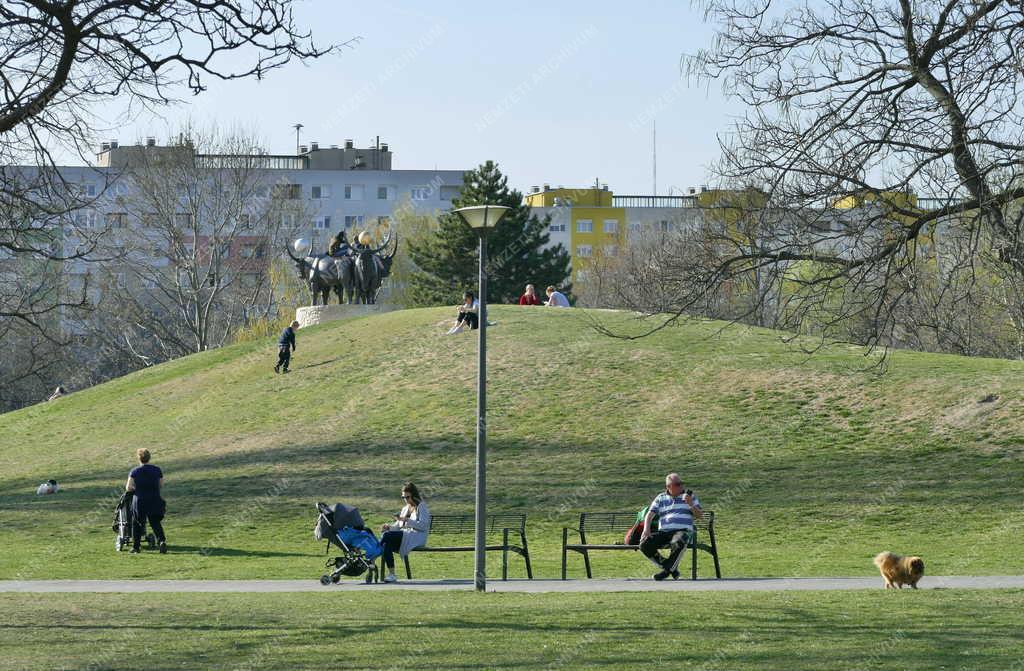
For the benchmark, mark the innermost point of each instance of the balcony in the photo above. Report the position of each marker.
(654, 201)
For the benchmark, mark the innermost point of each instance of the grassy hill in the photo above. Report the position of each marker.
(812, 465)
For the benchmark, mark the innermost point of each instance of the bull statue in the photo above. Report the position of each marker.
(371, 267)
(325, 273)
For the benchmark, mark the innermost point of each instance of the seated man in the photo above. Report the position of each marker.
(675, 510)
(339, 245)
(556, 299)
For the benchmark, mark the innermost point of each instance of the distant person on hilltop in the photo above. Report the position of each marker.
(675, 509)
(469, 313)
(57, 393)
(146, 480)
(285, 347)
(529, 297)
(556, 299)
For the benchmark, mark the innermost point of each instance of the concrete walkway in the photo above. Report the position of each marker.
(531, 586)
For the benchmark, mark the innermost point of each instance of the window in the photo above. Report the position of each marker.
(386, 192)
(183, 220)
(421, 192)
(450, 192)
(320, 191)
(288, 191)
(247, 252)
(557, 228)
(261, 251)
(89, 190)
(611, 226)
(584, 226)
(322, 223)
(582, 276)
(262, 191)
(121, 189)
(353, 192)
(611, 250)
(665, 226)
(117, 220)
(225, 250)
(635, 227)
(87, 219)
(584, 250)
(244, 221)
(353, 220)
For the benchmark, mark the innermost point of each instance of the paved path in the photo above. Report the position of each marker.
(534, 586)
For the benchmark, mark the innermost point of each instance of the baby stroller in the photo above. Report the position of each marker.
(123, 521)
(343, 526)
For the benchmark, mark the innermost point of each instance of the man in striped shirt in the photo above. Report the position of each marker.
(675, 509)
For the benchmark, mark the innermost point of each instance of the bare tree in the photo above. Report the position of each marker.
(848, 108)
(61, 57)
(200, 224)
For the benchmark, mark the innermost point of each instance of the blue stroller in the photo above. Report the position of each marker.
(342, 525)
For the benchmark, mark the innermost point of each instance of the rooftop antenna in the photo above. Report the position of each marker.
(654, 154)
(298, 127)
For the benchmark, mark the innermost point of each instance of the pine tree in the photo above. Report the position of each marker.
(448, 261)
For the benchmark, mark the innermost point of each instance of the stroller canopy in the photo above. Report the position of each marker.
(343, 515)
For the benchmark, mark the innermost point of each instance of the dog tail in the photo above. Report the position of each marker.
(882, 558)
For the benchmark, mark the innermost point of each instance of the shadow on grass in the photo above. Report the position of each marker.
(207, 551)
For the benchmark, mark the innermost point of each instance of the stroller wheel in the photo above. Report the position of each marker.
(369, 578)
(325, 580)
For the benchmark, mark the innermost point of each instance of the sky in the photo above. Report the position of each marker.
(560, 94)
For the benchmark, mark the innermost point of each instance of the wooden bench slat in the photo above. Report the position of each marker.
(505, 523)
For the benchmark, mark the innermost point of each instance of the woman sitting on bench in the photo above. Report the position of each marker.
(408, 531)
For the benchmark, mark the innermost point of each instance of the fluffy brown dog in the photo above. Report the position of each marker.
(899, 571)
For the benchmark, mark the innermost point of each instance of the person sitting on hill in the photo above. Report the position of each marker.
(529, 297)
(556, 299)
(469, 313)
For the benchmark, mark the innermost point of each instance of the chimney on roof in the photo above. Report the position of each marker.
(113, 144)
(348, 144)
(150, 141)
(703, 188)
(534, 189)
(384, 146)
(104, 146)
(604, 187)
(692, 191)
(303, 149)
(547, 187)
(314, 146)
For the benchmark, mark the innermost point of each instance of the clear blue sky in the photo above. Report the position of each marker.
(555, 95)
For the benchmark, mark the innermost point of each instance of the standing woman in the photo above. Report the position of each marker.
(146, 480)
(408, 531)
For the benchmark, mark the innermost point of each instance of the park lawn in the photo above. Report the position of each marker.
(812, 465)
(934, 629)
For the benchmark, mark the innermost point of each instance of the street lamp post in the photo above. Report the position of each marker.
(482, 219)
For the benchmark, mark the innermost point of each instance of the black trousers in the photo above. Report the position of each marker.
(155, 519)
(469, 318)
(678, 540)
(284, 357)
(391, 542)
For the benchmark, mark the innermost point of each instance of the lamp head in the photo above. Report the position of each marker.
(482, 218)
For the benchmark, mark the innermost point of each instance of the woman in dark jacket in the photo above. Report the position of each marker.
(146, 480)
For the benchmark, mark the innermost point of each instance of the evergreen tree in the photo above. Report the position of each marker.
(448, 261)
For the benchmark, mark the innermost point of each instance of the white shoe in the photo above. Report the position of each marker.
(455, 329)
(390, 578)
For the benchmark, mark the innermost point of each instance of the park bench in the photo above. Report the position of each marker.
(462, 525)
(608, 523)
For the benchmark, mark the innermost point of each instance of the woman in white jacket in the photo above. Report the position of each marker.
(408, 531)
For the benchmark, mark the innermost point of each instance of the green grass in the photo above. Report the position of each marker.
(812, 465)
(930, 630)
